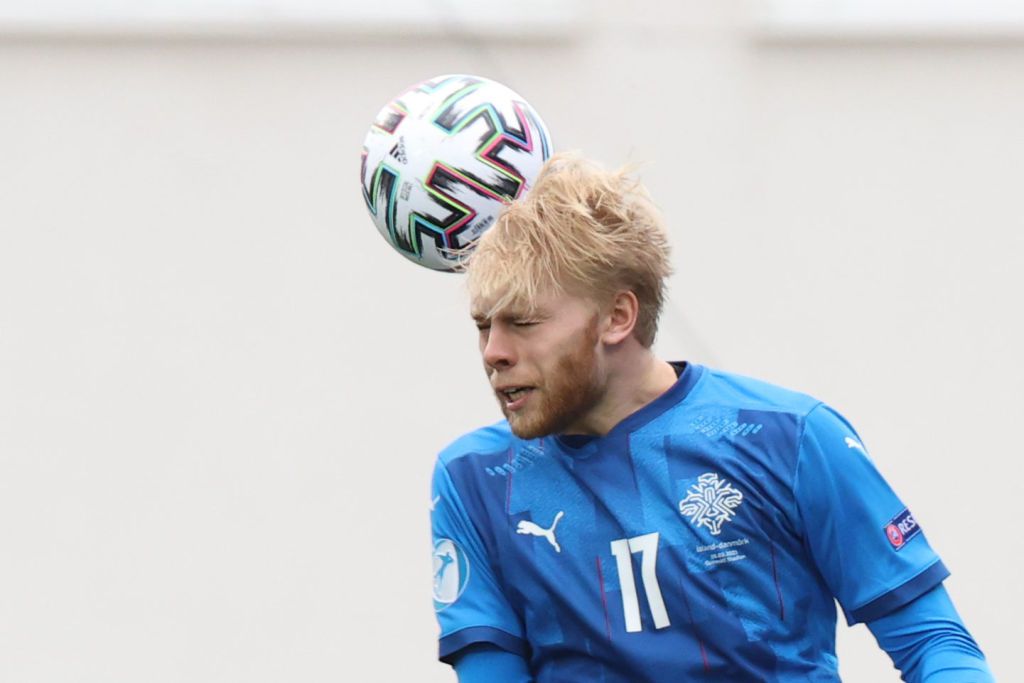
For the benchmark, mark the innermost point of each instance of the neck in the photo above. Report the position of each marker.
(633, 380)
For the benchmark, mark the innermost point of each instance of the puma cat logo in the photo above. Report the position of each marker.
(528, 527)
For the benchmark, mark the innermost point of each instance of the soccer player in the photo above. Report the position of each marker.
(636, 520)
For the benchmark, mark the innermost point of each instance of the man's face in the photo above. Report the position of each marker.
(543, 365)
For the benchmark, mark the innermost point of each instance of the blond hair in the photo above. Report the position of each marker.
(583, 230)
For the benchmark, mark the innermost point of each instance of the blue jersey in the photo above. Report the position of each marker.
(706, 537)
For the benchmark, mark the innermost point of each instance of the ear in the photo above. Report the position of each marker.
(620, 318)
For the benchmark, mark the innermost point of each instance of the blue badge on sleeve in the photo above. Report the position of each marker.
(451, 572)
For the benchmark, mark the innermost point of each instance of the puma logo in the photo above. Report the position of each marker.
(853, 443)
(528, 527)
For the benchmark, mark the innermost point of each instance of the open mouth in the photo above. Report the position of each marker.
(514, 397)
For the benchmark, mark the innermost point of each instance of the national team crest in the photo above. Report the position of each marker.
(451, 572)
(710, 503)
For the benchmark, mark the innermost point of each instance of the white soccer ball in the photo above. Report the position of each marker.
(442, 159)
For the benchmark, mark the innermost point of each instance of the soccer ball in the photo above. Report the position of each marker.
(441, 161)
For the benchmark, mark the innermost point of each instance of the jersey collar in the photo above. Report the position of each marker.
(687, 373)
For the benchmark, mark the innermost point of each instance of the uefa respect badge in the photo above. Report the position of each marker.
(901, 529)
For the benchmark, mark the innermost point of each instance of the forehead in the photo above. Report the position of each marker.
(503, 306)
(547, 301)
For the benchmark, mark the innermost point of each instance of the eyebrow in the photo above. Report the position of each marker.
(504, 314)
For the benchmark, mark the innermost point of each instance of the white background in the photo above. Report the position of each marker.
(221, 393)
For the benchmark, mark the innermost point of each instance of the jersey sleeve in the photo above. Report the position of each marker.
(865, 542)
(488, 664)
(470, 605)
(928, 641)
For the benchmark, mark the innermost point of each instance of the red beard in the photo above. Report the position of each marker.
(563, 397)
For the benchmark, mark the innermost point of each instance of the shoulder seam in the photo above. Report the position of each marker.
(796, 461)
(468, 519)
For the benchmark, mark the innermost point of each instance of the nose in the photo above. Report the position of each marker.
(497, 349)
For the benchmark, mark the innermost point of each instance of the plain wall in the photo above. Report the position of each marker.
(221, 392)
